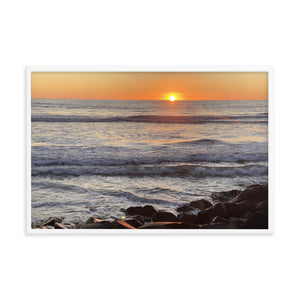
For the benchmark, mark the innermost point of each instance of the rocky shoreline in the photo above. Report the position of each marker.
(247, 209)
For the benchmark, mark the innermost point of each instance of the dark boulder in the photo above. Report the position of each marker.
(225, 211)
(98, 225)
(247, 206)
(254, 193)
(214, 226)
(51, 221)
(121, 224)
(239, 210)
(225, 196)
(188, 218)
(219, 220)
(204, 217)
(168, 225)
(164, 216)
(200, 204)
(139, 218)
(184, 208)
(218, 210)
(233, 210)
(60, 226)
(235, 223)
(147, 210)
(134, 222)
(263, 205)
(257, 221)
(248, 215)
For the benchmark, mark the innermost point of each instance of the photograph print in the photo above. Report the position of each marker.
(177, 151)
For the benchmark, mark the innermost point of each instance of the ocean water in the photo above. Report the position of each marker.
(95, 157)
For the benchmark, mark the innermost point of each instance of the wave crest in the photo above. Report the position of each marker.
(192, 158)
(163, 170)
(155, 119)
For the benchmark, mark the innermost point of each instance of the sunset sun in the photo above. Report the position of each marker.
(172, 98)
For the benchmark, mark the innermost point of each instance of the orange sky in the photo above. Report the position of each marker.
(150, 85)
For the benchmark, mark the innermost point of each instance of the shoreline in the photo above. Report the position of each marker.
(234, 209)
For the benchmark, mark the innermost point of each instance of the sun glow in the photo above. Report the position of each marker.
(172, 98)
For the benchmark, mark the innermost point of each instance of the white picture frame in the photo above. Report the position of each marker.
(270, 72)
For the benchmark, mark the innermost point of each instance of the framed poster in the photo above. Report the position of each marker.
(178, 150)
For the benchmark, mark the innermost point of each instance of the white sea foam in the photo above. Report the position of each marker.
(157, 170)
(192, 158)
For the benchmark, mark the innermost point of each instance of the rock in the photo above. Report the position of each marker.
(200, 204)
(69, 225)
(248, 215)
(238, 210)
(184, 208)
(92, 220)
(164, 216)
(262, 205)
(233, 210)
(60, 226)
(51, 221)
(35, 225)
(225, 210)
(147, 210)
(219, 220)
(254, 193)
(188, 218)
(204, 217)
(235, 223)
(98, 225)
(258, 221)
(133, 222)
(168, 225)
(225, 196)
(121, 224)
(138, 218)
(218, 210)
(214, 226)
(247, 206)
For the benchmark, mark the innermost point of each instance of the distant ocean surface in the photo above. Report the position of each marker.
(94, 157)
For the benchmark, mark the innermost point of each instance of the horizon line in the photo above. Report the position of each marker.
(149, 99)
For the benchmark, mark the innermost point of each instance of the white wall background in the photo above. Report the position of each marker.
(89, 33)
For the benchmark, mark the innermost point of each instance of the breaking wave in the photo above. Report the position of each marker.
(184, 170)
(136, 161)
(199, 142)
(156, 119)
